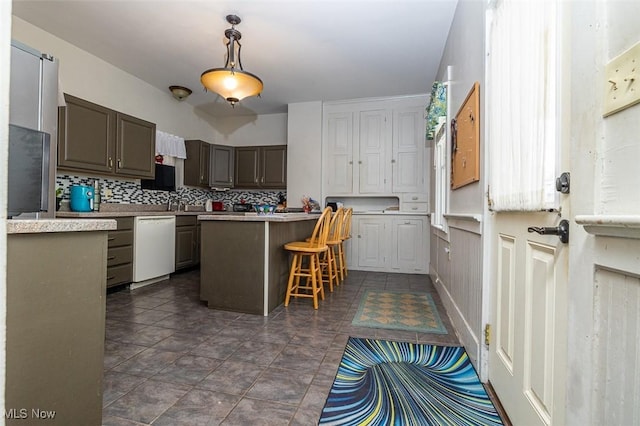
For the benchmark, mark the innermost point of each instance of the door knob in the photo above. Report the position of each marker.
(562, 230)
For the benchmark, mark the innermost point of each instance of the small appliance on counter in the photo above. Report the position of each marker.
(81, 198)
(243, 207)
(218, 206)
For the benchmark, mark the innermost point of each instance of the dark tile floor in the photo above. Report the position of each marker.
(169, 360)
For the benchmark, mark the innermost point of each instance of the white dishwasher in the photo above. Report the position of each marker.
(154, 245)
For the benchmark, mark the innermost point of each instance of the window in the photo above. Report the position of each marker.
(440, 174)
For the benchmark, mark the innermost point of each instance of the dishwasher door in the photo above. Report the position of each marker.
(153, 247)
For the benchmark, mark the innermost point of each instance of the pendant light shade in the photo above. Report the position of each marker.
(232, 82)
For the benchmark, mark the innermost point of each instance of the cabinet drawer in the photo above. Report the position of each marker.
(119, 274)
(186, 221)
(415, 197)
(120, 238)
(119, 255)
(415, 207)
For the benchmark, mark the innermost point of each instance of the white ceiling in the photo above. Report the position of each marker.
(303, 50)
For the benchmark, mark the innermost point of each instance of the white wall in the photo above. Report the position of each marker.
(304, 151)
(89, 77)
(456, 269)
(5, 67)
(604, 179)
(267, 129)
(464, 53)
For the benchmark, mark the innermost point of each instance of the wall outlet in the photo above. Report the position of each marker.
(108, 194)
(622, 81)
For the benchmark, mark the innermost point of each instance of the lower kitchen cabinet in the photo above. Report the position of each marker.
(408, 245)
(187, 242)
(371, 243)
(120, 253)
(393, 243)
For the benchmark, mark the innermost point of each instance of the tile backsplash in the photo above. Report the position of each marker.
(129, 192)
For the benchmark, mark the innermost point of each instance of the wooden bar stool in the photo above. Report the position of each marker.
(328, 261)
(312, 273)
(345, 235)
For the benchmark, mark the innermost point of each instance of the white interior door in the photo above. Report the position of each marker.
(527, 352)
(529, 271)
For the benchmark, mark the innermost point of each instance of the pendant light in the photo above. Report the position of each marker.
(232, 82)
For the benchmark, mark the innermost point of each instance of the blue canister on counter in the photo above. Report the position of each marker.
(81, 198)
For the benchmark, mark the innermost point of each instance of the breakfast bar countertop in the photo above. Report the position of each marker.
(254, 217)
(36, 226)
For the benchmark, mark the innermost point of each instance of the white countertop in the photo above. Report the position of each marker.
(35, 226)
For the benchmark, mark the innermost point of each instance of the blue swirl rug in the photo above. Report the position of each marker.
(381, 382)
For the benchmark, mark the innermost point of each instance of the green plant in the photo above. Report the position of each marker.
(59, 192)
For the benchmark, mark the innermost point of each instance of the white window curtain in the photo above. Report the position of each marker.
(168, 144)
(521, 95)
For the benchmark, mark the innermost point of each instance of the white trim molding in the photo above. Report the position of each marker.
(619, 226)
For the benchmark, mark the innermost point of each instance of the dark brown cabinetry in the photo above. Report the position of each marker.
(196, 166)
(261, 167)
(187, 242)
(120, 253)
(93, 138)
(221, 166)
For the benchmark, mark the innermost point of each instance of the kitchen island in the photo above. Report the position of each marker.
(55, 320)
(244, 267)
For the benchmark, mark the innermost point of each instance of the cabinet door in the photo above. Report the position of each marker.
(185, 246)
(204, 164)
(221, 166)
(247, 167)
(339, 153)
(135, 147)
(407, 242)
(192, 163)
(409, 151)
(374, 137)
(372, 243)
(86, 132)
(273, 168)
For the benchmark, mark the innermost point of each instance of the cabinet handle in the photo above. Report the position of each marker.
(350, 162)
(111, 257)
(111, 238)
(393, 160)
(359, 236)
(407, 223)
(110, 278)
(414, 208)
(414, 198)
(359, 161)
(110, 162)
(119, 163)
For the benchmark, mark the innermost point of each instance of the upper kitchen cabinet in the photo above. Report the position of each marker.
(221, 166)
(96, 139)
(408, 151)
(196, 166)
(374, 148)
(356, 152)
(261, 167)
(136, 147)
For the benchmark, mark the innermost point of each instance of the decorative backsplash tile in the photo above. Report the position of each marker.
(129, 192)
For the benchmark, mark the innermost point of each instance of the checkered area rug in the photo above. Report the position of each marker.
(399, 311)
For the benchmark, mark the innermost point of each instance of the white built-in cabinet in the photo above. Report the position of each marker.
(389, 243)
(374, 147)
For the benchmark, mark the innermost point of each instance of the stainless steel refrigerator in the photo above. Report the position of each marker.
(33, 128)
